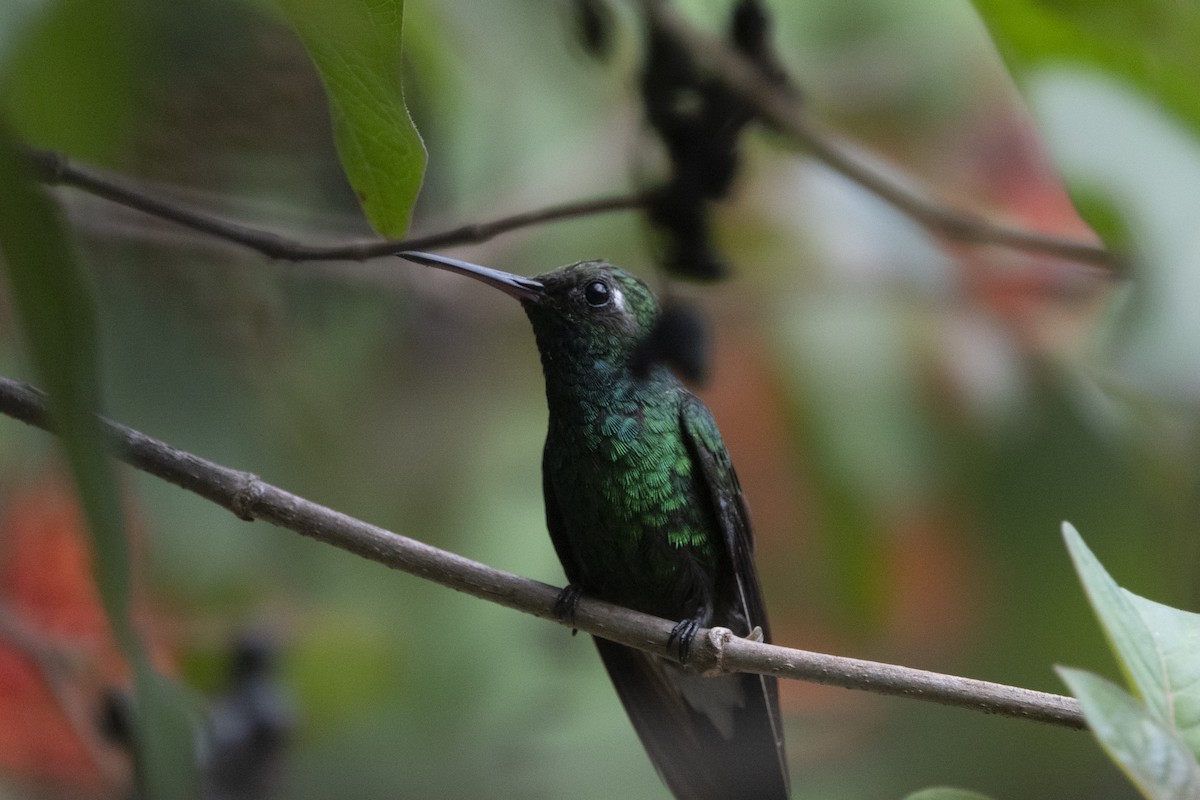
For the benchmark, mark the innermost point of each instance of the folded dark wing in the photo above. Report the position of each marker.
(762, 722)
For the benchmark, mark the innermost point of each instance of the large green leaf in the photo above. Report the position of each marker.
(1147, 44)
(1153, 755)
(53, 303)
(355, 45)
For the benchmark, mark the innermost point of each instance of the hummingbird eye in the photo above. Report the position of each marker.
(597, 294)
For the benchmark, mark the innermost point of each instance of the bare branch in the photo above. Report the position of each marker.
(716, 650)
(774, 103)
(782, 109)
(56, 170)
(731, 653)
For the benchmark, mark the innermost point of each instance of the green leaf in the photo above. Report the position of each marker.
(1176, 636)
(946, 793)
(1145, 44)
(54, 306)
(55, 309)
(1131, 642)
(355, 45)
(166, 735)
(1157, 646)
(1154, 757)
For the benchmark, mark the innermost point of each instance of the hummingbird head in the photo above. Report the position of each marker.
(592, 299)
(588, 307)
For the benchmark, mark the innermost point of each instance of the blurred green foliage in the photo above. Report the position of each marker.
(1147, 44)
(69, 72)
(911, 421)
(51, 298)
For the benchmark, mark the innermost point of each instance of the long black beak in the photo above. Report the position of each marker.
(512, 285)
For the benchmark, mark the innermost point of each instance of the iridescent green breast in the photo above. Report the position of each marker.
(627, 489)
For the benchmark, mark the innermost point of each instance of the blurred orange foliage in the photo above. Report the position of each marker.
(46, 583)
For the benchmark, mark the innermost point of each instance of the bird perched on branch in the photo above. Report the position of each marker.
(645, 511)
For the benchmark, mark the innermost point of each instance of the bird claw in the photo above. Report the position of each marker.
(756, 635)
(564, 606)
(681, 636)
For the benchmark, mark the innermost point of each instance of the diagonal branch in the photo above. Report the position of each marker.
(782, 109)
(716, 650)
(57, 170)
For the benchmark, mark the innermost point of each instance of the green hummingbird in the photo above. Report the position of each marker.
(645, 511)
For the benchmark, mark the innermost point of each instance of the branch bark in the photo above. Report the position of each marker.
(716, 650)
(55, 169)
(782, 109)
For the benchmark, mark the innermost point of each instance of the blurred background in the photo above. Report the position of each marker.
(912, 419)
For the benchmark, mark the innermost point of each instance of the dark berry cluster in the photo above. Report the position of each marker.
(699, 121)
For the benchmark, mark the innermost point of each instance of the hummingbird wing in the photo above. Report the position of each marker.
(716, 476)
(759, 723)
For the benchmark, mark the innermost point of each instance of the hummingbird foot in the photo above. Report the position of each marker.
(681, 637)
(564, 606)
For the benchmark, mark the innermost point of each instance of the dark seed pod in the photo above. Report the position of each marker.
(679, 212)
(679, 340)
(700, 123)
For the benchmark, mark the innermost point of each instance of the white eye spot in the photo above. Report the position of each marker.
(618, 299)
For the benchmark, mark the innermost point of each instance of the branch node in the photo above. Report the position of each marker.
(713, 662)
(246, 498)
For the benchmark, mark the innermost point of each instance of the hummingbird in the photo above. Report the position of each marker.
(645, 511)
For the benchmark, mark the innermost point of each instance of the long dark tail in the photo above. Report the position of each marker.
(709, 738)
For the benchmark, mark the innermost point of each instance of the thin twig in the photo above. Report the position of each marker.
(57, 170)
(783, 110)
(716, 650)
